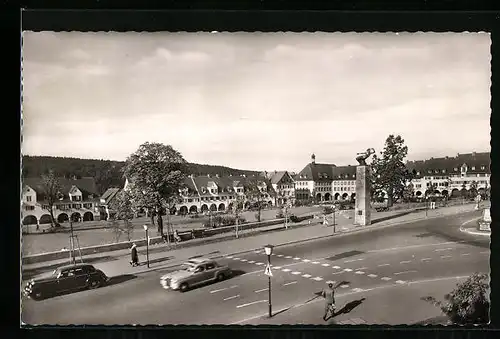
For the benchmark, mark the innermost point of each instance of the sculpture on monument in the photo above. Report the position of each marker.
(361, 157)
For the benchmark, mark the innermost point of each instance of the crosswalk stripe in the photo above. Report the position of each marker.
(385, 278)
(315, 262)
(400, 282)
(317, 278)
(286, 270)
(277, 267)
(305, 260)
(307, 275)
(336, 267)
(357, 289)
(288, 256)
(280, 255)
(344, 286)
(326, 265)
(251, 261)
(347, 270)
(229, 257)
(296, 273)
(244, 260)
(372, 275)
(359, 272)
(259, 263)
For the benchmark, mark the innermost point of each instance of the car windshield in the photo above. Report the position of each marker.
(189, 267)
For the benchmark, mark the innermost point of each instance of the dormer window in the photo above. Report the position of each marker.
(455, 169)
(444, 171)
(429, 171)
(436, 171)
(473, 168)
(482, 167)
(418, 172)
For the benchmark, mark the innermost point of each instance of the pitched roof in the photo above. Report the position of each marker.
(277, 176)
(86, 185)
(316, 172)
(110, 193)
(452, 165)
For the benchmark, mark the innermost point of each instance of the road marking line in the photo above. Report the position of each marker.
(464, 254)
(277, 267)
(305, 260)
(233, 297)
(252, 303)
(484, 252)
(405, 262)
(383, 265)
(251, 261)
(347, 269)
(326, 265)
(416, 246)
(307, 275)
(353, 260)
(357, 289)
(445, 256)
(386, 278)
(361, 268)
(315, 262)
(337, 272)
(259, 263)
(236, 258)
(223, 289)
(317, 278)
(286, 270)
(336, 267)
(383, 287)
(425, 259)
(280, 255)
(400, 282)
(296, 273)
(262, 290)
(244, 260)
(359, 272)
(288, 256)
(372, 275)
(229, 257)
(404, 272)
(442, 249)
(290, 283)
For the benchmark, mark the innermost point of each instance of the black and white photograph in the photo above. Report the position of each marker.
(254, 178)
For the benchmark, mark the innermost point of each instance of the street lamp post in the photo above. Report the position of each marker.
(269, 251)
(147, 244)
(333, 215)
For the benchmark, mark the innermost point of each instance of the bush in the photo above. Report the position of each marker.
(468, 303)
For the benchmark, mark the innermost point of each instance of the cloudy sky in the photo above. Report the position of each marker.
(255, 101)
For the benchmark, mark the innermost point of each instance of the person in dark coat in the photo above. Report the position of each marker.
(134, 255)
(329, 295)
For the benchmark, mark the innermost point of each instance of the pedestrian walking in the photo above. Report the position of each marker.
(134, 256)
(329, 295)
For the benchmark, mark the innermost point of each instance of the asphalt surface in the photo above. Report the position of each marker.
(428, 249)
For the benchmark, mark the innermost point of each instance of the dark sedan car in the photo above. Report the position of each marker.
(65, 279)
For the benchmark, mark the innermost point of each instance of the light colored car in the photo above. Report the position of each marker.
(195, 272)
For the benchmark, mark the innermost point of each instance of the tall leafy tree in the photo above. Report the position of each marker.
(52, 193)
(473, 189)
(389, 172)
(124, 213)
(255, 188)
(431, 189)
(157, 172)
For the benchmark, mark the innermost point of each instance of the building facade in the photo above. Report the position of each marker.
(284, 186)
(216, 193)
(78, 201)
(451, 176)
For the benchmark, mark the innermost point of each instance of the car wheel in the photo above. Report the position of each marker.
(93, 284)
(184, 287)
(220, 277)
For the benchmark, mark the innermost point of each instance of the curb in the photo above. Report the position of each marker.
(361, 229)
(344, 233)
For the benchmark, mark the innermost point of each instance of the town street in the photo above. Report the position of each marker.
(397, 257)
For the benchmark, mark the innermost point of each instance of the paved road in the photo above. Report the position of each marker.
(428, 249)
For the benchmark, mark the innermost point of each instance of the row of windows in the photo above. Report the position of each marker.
(61, 207)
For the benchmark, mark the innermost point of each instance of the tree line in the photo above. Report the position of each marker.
(107, 173)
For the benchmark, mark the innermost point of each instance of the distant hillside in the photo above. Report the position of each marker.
(107, 173)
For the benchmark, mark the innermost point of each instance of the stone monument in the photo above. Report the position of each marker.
(362, 215)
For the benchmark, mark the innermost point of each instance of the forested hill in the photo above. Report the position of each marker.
(107, 173)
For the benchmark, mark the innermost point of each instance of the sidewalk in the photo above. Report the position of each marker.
(390, 304)
(163, 256)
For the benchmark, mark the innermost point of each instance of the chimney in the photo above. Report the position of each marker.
(313, 158)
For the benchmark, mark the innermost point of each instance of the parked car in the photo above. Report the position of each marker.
(69, 278)
(195, 272)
